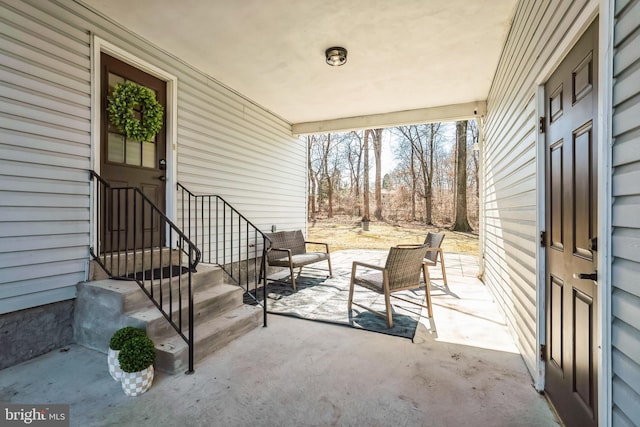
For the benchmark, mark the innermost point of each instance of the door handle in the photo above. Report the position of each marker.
(162, 178)
(586, 276)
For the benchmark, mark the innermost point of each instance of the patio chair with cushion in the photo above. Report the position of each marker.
(432, 244)
(289, 249)
(400, 272)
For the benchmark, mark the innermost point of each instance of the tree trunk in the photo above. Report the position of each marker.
(365, 183)
(426, 195)
(312, 184)
(413, 184)
(357, 190)
(314, 196)
(475, 155)
(429, 181)
(377, 150)
(328, 178)
(461, 222)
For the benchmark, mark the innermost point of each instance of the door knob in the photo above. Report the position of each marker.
(162, 178)
(586, 276)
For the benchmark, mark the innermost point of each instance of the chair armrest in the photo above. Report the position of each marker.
(288, 251)
(326, 245)
(364, 264)
(355, 265)
(416, 245)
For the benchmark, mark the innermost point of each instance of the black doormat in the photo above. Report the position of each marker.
(157, 273)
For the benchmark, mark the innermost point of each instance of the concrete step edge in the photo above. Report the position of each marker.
(172, 353)
(224, 297)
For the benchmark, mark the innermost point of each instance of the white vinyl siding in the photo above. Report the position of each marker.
(625, 270)
(229, 149)
(510, 169)
(45, 81)
(226, 145)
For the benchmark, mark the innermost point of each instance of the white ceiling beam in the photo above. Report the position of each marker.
(445, 113)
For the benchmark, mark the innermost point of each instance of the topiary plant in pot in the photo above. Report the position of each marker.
(136, 361)
(116, 342)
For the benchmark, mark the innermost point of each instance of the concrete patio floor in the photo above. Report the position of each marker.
(303, 373)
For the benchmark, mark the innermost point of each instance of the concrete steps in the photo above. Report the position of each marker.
(172, 353)
(105, 305)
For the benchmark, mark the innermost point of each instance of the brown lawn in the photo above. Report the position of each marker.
(346, 233)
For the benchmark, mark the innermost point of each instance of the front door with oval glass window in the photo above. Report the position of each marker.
(127, 162)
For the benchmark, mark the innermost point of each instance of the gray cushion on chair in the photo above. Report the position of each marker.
(298, 260)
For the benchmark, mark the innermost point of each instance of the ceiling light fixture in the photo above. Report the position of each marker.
(336, 56)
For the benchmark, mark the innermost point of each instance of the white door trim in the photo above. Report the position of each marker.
(100, 45)
(604, 10)
(605, 96)
(541, 253)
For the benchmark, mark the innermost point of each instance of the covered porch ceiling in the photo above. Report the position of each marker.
(408, 61)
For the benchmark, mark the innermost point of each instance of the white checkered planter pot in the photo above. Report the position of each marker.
(114, 364)
(135, 383)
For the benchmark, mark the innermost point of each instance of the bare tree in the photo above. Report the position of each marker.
(365, 186)
(323, 169)
(433, 129)
(312, 181)
(423, 146)
(474, 180)
(413, 183)
(461, 222)
(328, 175)
(377, 151)
(316, 171)
(422, 185)
(354, 160)
(404, 178)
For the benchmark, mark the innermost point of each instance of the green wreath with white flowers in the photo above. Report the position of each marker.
(124, 98)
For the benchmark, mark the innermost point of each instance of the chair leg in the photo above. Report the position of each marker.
(427, 290)
(293, 278)
(330, 270)
(387, 302)
(351, 286)
(444, 273)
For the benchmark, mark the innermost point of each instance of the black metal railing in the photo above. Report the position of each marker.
(136, 241)
(228, 239)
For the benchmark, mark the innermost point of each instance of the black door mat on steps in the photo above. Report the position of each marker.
(157, 273)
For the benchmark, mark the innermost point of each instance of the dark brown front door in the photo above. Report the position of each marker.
(571, 216)
(125, 162)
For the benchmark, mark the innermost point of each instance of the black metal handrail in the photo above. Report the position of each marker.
(228, 239)
(128, 224)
